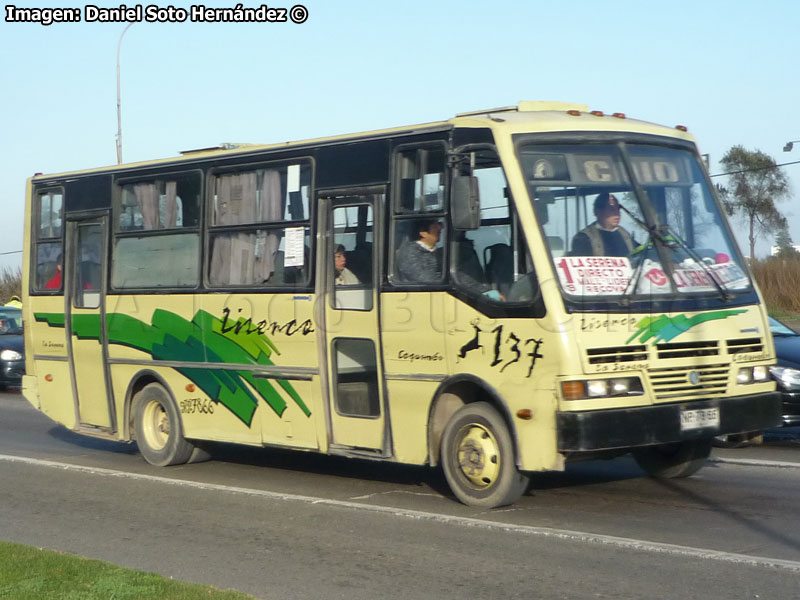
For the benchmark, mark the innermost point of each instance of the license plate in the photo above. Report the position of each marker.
(699, 418)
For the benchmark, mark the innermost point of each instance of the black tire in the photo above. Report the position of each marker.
(478, 458)
(159, 432)
(672, 461)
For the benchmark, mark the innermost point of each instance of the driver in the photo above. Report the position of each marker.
(604, 237)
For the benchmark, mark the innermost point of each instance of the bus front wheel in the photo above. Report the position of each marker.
(672, 461)
(478, 458)
(157, 423)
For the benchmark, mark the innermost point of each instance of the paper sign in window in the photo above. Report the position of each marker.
(294, 238)
(293, 178)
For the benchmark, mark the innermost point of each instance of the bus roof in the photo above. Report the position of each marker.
(527, 116)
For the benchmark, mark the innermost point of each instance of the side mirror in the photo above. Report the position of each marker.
(465, 203)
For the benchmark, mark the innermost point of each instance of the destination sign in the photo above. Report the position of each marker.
(604, 168)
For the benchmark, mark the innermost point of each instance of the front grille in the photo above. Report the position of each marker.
(616, 354)
(688, 349)
(673, 383)
(745, 345)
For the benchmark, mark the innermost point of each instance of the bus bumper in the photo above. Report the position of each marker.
(661, 424)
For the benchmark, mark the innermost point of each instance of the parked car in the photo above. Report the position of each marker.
(12, 354)
(787, 372)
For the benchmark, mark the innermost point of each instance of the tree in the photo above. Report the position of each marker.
(755, 183)
(783, 240)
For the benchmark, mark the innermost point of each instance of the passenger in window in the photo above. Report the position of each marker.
(54, 283)
(418, 259)
(604, 237)
(341, 274)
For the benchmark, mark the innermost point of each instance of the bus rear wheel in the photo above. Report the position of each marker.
(672, 461)
(159, 433)
(478, 458)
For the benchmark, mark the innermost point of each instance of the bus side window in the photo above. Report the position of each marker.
(260, 234)
(419, 226)
(49, 244)
(490, 260)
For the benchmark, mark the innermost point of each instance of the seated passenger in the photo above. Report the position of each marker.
(417, 258)
(604, 237)
(341, 274)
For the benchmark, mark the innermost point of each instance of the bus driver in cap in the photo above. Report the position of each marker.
(604, 237)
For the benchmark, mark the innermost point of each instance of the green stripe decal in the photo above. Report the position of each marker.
(664, 328)
(171, 337)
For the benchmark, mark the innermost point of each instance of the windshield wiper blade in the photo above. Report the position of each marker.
(724, 292)
(630, 289)
(664, 234)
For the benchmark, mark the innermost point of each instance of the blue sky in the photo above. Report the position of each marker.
(727, 70)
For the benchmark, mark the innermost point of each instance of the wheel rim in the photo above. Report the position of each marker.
(478, 456)
(155, 425)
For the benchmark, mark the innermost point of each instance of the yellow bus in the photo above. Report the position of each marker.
(497, 294)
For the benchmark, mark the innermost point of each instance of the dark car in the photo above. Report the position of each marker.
(787, 372)
(12, 353)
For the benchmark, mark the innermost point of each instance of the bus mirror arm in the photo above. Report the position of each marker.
(465, 203)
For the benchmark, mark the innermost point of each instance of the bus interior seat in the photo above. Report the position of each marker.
(277, 276)
(556, 245)
(499, 261)
(467, 261)
(359, 261)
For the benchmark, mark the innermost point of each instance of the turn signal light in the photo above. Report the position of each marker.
(525, 414)
(572, 390)
(48, 377)
(190, 387)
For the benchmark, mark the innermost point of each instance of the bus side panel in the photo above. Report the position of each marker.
(47, 341)
(55, 396)
(202, 417)
(165, 335)
(412, 334)
(270, 335)
(409, 407)
(518, 359)
(296, 426)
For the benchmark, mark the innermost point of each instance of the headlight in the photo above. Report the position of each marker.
(10, 355)
(601, 388)
(751, 375)
(789, 379)
(597, 388)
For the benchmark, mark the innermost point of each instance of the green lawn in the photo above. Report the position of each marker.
(31, 573)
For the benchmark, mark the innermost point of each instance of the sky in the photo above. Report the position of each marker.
(727, 70)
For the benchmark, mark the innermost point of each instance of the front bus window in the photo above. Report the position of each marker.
(631, 220)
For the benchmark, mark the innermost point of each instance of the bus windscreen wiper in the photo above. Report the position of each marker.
(664, 234)
(723, 290)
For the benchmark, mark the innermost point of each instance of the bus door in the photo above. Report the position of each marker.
(347, 282)
(85, 286)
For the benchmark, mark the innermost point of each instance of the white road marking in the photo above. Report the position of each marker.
(564, 534)
(753, 462)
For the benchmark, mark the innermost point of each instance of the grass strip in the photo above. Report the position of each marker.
(36, 574)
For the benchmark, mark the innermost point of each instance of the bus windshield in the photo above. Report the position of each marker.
(631, 220)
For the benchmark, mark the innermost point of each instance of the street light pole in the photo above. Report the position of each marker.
(119, 100)
(789, 145)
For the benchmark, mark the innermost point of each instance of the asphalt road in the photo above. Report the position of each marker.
(283, 525)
